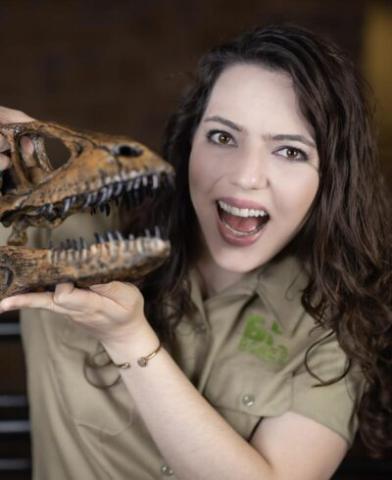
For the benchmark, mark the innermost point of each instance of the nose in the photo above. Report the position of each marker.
(251, 171)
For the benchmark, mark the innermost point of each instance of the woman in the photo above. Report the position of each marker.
(274, 310)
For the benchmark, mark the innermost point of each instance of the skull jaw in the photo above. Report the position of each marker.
(100, 263)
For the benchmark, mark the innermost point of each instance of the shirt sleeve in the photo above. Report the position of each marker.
(333, 405)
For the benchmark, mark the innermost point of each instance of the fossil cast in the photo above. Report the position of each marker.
(101, 170)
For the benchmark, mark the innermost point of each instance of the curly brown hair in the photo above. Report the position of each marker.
(346, 240)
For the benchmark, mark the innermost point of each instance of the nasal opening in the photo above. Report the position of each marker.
(128, 151)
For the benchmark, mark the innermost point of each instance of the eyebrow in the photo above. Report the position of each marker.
(293, 138)
(279, 137)
(228, 123)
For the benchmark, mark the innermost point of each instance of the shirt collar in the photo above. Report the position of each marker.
(278, 284)
(244, 287)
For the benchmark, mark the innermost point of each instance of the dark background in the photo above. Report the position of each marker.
(119, 67)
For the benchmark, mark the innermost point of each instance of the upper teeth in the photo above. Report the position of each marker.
(241, 212)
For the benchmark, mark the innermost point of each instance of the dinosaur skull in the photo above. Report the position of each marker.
(101, 169)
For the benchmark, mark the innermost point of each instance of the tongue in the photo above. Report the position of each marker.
(241, 224)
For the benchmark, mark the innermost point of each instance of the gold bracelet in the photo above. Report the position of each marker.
(142, 361)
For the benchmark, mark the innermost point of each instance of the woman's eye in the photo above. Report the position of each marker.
(220, 138)
(292, 153)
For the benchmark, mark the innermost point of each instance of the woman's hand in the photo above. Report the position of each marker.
(111, 312)
(8, 115)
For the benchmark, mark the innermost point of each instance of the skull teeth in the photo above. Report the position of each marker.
(127, 187)
(71, 250)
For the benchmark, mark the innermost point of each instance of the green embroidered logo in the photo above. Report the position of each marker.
(260, 340)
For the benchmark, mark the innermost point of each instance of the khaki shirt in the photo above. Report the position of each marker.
(244, 351)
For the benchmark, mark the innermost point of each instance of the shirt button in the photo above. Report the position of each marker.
(200, 328)
(166, 470)
(248, 400)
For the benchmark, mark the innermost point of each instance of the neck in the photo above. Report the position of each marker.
(214, 278)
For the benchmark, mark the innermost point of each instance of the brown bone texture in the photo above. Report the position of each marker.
(101, 169)
(27, 269)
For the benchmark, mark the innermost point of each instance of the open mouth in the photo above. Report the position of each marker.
(110, 254)
(242, 222)
(135, 193)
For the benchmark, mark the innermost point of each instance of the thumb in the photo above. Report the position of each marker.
(120, 292)
(4, 145)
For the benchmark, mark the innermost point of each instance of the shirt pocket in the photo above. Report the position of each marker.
(92, 397)
(245, 393)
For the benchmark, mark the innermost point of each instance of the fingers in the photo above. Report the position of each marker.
(9, 115)
(27, 145)
(76, 299)
(25, 142)
(4, 159)
(4, 162)
(65, 299)
(4, 145)
(29, 300)
(27, 148)
(81, 303)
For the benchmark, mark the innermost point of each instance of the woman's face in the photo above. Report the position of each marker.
(253, 171)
